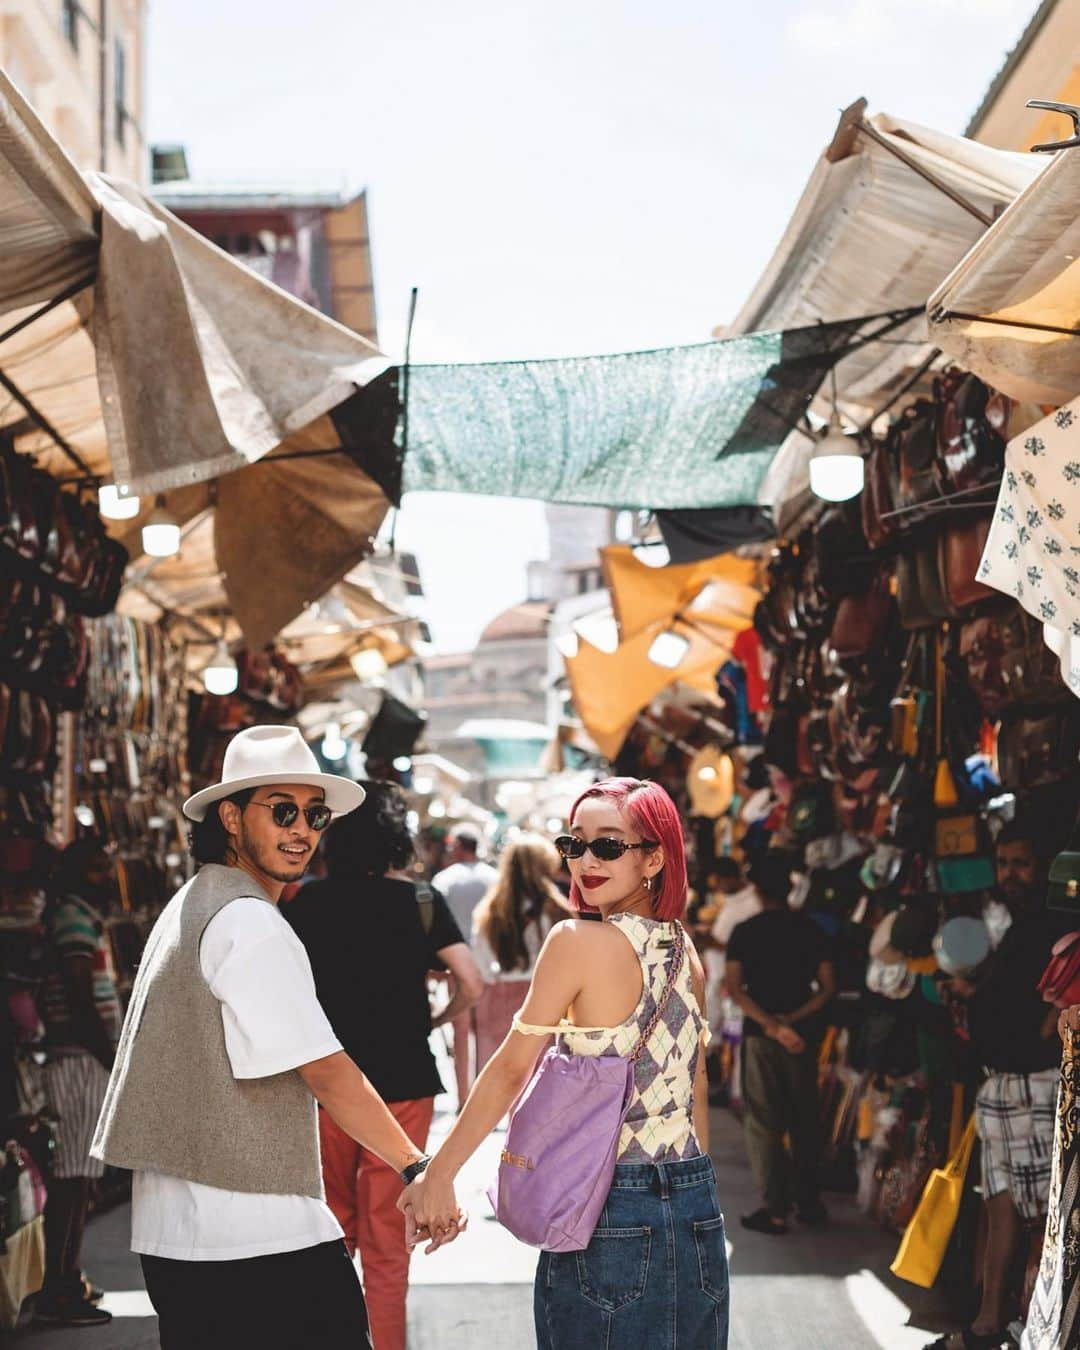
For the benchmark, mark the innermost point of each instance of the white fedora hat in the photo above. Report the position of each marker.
(260, 756)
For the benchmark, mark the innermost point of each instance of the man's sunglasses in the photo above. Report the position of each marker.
(605, 848)
(285, 813)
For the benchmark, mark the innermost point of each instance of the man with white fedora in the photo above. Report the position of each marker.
(224, 1052)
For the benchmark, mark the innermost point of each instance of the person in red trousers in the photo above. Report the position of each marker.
(372, 934)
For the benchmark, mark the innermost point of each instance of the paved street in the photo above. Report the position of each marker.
(816, 1290)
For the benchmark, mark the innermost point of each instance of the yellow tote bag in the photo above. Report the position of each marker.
(922, 1248)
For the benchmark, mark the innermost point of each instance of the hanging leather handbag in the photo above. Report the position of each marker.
(44, 492)
(917, 444)
(971, 449)
(1060, 983)
(1030, 670)
(919, 595)
(863, 621)
(845, 564)
(878, 499)
(1063, 886)
(810, 811)
(19, 530)
(1034, 750)
(960, 552)
(982, 653)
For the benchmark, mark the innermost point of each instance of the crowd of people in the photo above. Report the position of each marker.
(777, 966)
(245, 1013)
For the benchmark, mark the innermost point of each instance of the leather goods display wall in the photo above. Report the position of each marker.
(131, 772)
(57, 566)
(50, 536)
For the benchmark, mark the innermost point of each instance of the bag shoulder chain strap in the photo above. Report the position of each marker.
(662, 1001)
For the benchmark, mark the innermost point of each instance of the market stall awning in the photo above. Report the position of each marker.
(721, 592)
(679, 427)
(134, 350)
(611, 688)
(889, 210)
(322, 639)
(1010, 311)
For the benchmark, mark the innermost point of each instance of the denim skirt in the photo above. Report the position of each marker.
(654, 1276)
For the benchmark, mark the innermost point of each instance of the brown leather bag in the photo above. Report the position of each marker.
(862, 622)
(916, 439)
(919, 593)
(960, 552)
(879, 497)
(971, 426)
(1035, 750)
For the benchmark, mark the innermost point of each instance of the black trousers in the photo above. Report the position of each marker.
(305, 1300)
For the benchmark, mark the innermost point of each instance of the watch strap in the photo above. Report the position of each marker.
(414, 1169)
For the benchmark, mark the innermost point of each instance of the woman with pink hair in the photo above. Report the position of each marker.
(655, 1271)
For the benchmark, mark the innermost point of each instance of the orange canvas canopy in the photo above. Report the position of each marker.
(720, 591)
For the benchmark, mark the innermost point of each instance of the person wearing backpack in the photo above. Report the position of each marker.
(372, 932)
(621, 1201)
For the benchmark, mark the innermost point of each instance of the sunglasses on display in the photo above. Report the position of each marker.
(605, 849)
(285, 813)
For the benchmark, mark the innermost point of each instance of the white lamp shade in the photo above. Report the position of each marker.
(835, 478)
(668, 649)
(836, 466)
(114, 503)
(368, 664)
(333, 742)
(160, 533)
(220, 677)
(652, 555)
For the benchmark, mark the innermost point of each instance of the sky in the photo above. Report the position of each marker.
(557, 177)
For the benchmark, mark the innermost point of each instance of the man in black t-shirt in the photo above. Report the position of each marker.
(1014, 1039)
(780, 975)
(372, 935)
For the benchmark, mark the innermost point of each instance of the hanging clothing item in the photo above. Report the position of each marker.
(1053, 1320)
(1033, 548)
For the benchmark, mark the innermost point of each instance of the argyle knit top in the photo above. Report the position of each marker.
(659, 1125)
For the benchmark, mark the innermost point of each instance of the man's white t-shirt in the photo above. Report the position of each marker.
(463, 886)
(258, 968)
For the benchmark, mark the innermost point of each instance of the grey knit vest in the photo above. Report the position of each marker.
(173, 1105)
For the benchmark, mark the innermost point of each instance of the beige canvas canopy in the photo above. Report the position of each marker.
(1009, 310)
(889, 209)
(133, 350)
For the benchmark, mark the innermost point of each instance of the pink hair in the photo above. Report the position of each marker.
(652, 814)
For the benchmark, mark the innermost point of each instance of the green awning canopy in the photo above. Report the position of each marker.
(677, 428)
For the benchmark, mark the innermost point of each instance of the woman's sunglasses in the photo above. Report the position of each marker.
(605, 848)
(285, 813)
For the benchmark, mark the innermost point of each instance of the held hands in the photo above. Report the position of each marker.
(431, 1212)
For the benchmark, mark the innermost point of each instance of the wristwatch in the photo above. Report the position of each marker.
(410, 1173)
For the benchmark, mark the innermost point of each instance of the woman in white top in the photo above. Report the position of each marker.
(509, 928)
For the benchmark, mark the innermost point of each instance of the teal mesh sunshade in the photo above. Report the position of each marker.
(675, 428)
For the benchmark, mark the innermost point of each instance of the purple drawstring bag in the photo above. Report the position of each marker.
(559, 1158)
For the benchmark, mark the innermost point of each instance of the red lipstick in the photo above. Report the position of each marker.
(591, 883)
